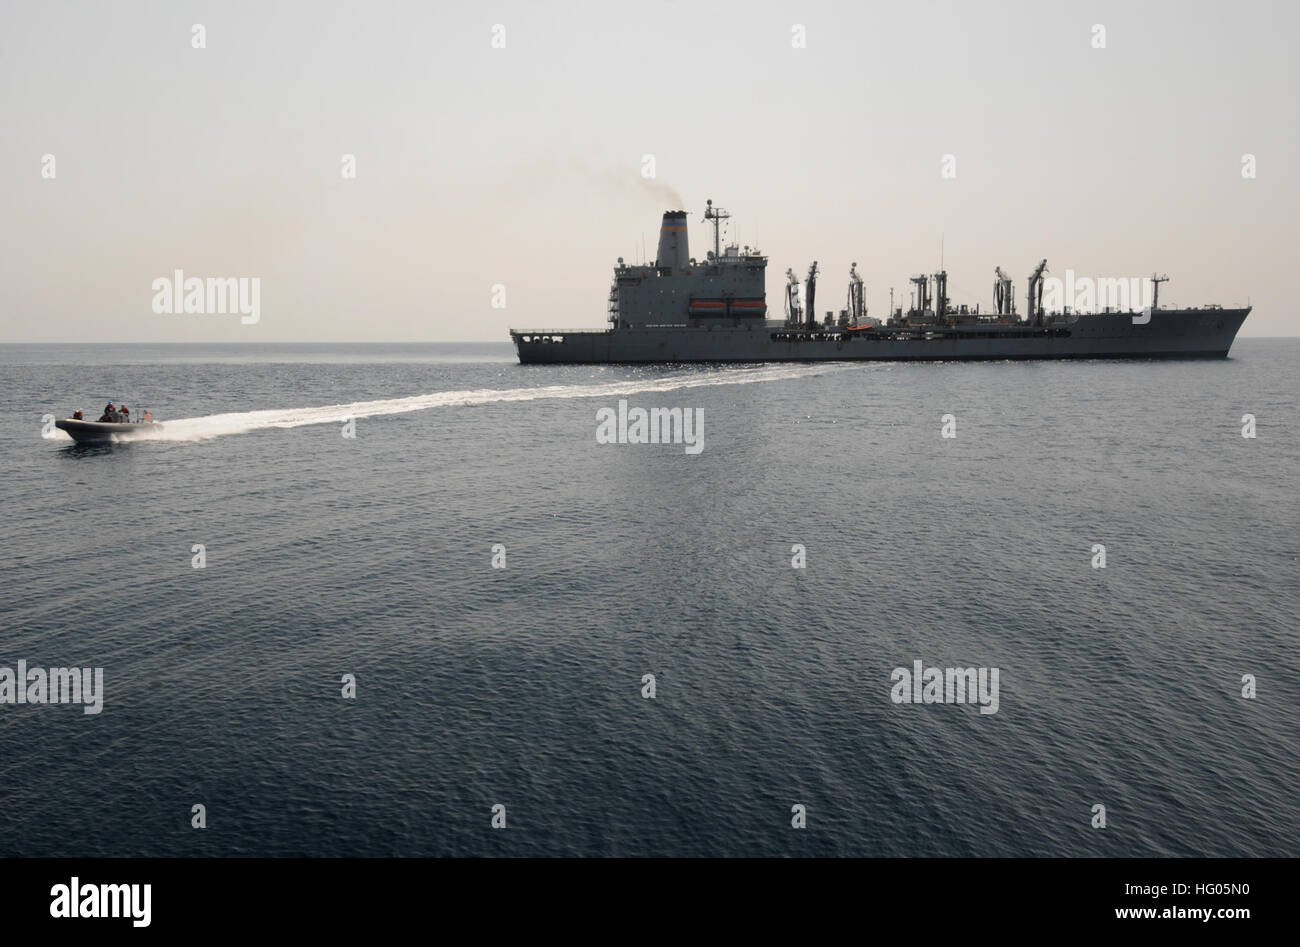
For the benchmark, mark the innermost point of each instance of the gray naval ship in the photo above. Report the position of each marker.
(679, 310)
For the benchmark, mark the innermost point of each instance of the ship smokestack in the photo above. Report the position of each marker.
(674, 251)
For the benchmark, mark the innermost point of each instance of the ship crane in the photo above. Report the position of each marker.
(1002, 299)
(810, 296)
(1035, 300)
(793, 311)
(922, 293)
(856, 305)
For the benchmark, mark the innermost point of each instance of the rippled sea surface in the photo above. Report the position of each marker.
(372, 555)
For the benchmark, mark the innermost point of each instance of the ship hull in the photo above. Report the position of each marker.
(90, 432)
(1170, 333)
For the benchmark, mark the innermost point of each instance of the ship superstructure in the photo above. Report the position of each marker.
(727, 288)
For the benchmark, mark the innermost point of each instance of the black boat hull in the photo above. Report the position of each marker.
(86, 432)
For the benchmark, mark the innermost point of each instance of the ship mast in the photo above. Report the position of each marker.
(1155, 289)
(717, 215)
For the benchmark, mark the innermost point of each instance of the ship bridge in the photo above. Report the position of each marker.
(728, 288)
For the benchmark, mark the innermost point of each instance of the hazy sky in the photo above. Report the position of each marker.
(522, 166)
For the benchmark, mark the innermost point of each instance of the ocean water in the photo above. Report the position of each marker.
(522, 686)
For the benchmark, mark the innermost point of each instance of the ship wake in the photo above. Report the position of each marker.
(220, 425)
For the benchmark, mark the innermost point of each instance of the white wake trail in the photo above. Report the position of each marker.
(219, 425)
